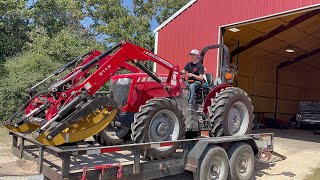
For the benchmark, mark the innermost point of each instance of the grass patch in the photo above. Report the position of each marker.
(4, 135)
(315, 175)
(5, 142)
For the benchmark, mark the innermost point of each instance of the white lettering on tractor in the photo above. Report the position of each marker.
(104, 70)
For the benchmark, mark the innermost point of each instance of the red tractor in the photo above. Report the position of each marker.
(149, 113)
(148, 106)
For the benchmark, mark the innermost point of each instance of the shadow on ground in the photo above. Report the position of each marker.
(261, 167)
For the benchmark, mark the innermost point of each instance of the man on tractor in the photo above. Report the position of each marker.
(195, 71)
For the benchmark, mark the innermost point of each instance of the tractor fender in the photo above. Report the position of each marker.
(212, 94)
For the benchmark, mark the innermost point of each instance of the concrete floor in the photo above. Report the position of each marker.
(302, 149)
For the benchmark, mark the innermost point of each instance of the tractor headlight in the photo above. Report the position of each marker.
(124, 81)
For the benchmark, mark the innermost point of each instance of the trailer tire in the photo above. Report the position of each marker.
(158, 120)
(214, 165)
(110, 135)
(231, 113)
(241, 161)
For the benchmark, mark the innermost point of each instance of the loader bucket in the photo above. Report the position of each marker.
(25, 127)
(81, 130)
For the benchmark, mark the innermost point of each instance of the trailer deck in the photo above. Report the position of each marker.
(93, 161)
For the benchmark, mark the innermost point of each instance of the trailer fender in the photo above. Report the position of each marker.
(194, 156)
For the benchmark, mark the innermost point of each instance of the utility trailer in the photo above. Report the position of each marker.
(206, 157)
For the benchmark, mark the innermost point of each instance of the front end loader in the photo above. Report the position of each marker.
(69, 111)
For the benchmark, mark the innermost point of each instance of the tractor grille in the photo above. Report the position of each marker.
(119, 91)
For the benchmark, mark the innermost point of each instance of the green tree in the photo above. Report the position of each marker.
(63, 46)
(57, 31)
(22, 71)
(166, 8)
(55, 15)
(13, 27)
(116, 22)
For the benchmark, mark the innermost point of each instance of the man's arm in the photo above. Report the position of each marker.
(184, 69)
(199, 78)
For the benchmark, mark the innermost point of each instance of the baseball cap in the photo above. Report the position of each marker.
(194, 51)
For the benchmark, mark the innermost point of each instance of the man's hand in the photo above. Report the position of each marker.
(191, 75)
(182, 72)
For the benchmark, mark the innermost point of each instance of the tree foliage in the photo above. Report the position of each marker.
(167, 8)
(22, 71)
(64, 45)
(116, 22)
(55, 15)
(13, 27)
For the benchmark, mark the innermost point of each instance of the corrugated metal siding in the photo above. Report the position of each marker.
(198, 26)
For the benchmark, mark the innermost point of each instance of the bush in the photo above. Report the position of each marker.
(20, 73)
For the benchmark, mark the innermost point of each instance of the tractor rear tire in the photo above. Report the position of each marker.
(231, 113)
(112, 135)
(158, 120)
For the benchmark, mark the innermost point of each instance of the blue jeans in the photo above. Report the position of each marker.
(192, 87)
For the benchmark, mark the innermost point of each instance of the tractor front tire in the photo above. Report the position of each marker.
(158, 120)
(231, 113)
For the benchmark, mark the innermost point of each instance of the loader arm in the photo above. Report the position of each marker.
(126, 52)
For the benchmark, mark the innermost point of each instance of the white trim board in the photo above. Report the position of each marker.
(155, 50)
(174, 15)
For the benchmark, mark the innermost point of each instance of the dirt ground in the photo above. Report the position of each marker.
(302, 149)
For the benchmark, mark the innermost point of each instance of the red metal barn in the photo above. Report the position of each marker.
(275, 44)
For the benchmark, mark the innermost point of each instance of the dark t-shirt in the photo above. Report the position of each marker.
(196, 69)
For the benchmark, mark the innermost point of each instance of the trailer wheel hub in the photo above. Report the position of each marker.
(215, 168)
(244, 164)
